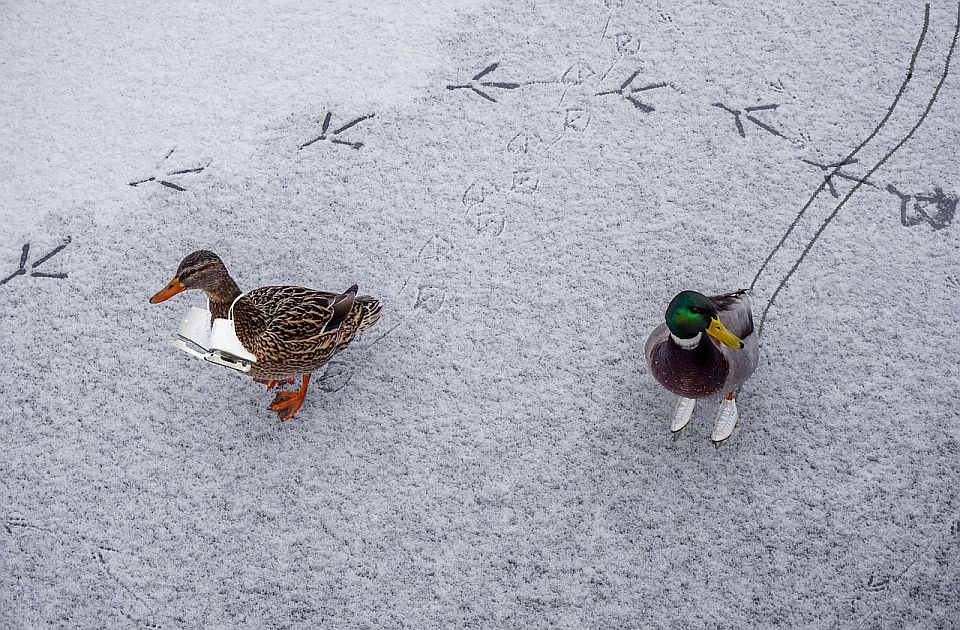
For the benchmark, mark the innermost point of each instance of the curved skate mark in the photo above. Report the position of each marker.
(336, 376)
(838, 173)
(158, 178)
(437, 250)
(874, 169)
(612, 5)
(13, 522)
(941, 547)
(429, 298)
(96, 550)
(854, 152)
(105, 566)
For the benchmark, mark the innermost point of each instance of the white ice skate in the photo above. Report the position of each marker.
(682, 414)
(726, 420)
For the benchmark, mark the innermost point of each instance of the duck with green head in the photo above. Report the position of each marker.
(694, 365)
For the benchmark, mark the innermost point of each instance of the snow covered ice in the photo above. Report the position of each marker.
(525, 186)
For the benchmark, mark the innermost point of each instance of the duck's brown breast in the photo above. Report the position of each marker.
(696, 373)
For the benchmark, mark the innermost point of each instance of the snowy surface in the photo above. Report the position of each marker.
(494, 454)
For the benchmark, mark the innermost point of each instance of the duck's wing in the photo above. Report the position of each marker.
(294, 329)
(298, 312)
(281, 315)
(735, 311)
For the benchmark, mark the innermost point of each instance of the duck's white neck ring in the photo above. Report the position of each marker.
(687, 344)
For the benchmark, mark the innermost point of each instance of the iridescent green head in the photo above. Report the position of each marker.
(691, 313)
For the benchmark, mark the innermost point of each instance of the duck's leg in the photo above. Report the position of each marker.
(682, 414)
(726, 420)
(274, 384)
(287, 404)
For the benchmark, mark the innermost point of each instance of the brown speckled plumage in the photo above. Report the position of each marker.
(292, 331)
(295, 330)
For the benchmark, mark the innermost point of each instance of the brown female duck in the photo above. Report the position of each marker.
(291, 330)
(693, 365)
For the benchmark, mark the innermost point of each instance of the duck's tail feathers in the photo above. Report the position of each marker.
(342, 305)
(727, 301)
(371, 311)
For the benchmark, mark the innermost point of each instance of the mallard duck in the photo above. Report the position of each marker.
(692, 365)
(291, 330)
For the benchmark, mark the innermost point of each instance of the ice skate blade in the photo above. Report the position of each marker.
(189, 346)
(227, 360)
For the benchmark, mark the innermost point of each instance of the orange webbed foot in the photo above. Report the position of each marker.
(287, 404)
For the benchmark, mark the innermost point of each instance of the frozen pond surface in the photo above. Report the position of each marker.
(525, 185)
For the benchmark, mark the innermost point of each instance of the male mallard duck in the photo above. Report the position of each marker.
(693, 366)
(291, 330)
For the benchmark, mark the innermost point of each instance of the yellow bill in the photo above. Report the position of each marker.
(719, 332)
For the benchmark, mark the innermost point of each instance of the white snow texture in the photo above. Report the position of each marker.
(525, 185)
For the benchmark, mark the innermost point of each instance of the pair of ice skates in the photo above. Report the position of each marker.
(723, 427)
(217, 343)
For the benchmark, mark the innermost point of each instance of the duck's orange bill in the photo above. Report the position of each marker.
(719, 332)
(168, 291)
